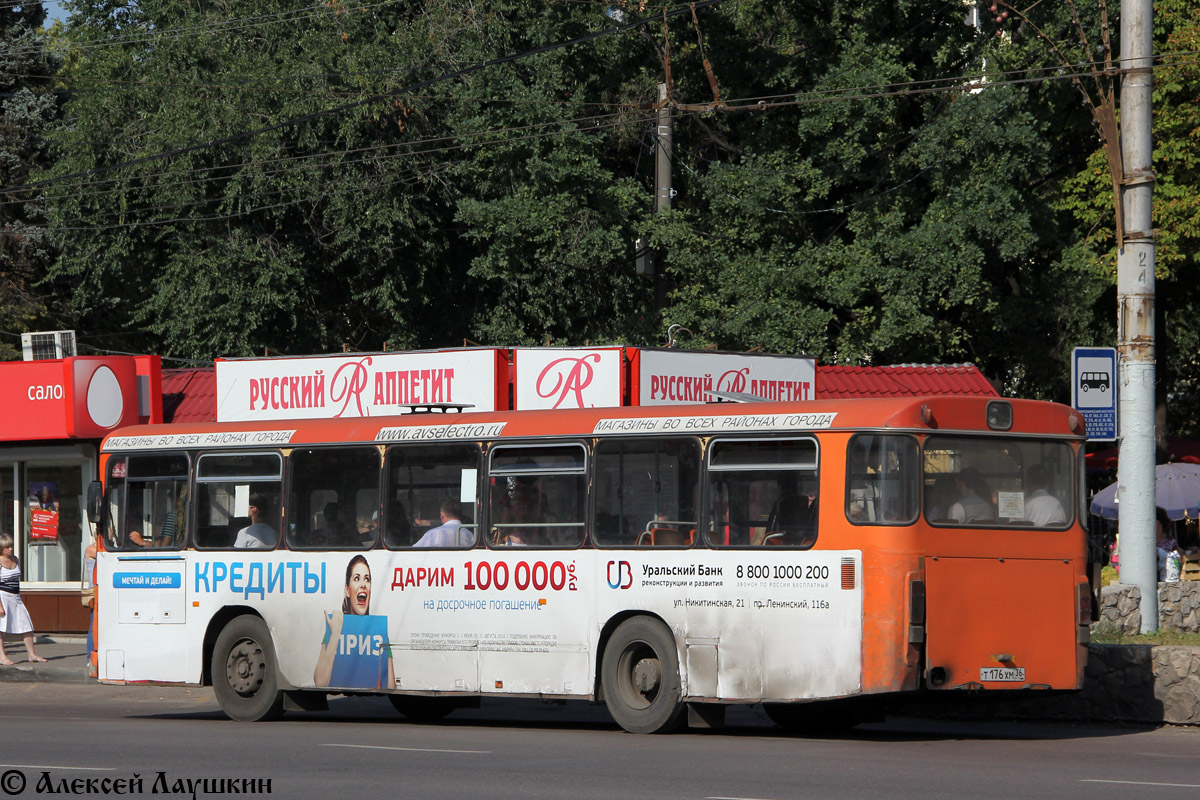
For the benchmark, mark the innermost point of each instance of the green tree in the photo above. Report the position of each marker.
(399, 186)
(29, 105)
(302, 237)
(233, 177)
(1087, 195)
(893, 210)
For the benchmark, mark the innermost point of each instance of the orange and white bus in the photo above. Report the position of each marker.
(666, 561)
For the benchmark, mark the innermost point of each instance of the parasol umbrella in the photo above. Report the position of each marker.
(1177, 491)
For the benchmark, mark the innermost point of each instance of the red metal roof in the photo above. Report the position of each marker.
(189, 395)
(907, 380)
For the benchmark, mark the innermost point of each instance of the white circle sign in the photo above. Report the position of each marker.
(105, 401)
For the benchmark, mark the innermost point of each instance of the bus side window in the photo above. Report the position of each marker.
(763, 492)
(419, 481)
(334, 498)
(883, 480)
(646, 492)
(238, 500)
(537, 495)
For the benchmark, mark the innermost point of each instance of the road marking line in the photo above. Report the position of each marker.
(51, 766)
(1165, 755)
(733, 798)
(408, 749)
(1143, 783)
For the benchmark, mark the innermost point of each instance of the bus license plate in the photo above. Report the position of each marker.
(1002, 674)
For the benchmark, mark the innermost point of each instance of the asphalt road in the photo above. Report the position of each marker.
(63, 735)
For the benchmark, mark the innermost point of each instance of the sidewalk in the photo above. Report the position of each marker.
(66, 660)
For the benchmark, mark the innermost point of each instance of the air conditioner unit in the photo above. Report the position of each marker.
(43, 345)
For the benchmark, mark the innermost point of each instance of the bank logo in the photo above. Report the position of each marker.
(620, 575)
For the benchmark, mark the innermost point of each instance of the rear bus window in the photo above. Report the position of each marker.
(998, 482)
(762, 492)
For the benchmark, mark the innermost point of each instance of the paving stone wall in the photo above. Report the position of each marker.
(1178, 608)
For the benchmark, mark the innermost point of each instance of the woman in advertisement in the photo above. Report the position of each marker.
(355, 653)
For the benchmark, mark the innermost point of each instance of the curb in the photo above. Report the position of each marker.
(41, 673)
(67, 661)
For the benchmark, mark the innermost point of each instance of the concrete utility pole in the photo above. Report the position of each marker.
(663, 147)
(1135, 312)
(662, 153)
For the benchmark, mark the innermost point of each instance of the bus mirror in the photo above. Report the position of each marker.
(95, 498)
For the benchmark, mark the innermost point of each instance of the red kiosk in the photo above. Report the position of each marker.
(53, 414)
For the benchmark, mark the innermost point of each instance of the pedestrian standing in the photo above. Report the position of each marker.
(14, 618)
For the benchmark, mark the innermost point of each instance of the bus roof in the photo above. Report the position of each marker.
(943, 413)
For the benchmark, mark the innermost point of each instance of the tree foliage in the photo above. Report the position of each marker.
(350, 175)
(1088, 196)
(28, 105)
(868, 183)
(909, 215)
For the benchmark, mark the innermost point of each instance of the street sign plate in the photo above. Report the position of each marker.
(1094, 390)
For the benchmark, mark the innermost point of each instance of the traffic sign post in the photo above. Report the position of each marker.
(1094, 390)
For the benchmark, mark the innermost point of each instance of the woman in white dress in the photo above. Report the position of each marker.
(14, 618)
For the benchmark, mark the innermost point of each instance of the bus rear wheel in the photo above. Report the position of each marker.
(244, 672)
(640, 677)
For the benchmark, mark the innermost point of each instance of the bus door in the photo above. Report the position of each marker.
(142, 584)
(1003, 564)
(533, 634)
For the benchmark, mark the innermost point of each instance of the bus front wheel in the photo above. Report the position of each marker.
(640, 677)
(243, 671)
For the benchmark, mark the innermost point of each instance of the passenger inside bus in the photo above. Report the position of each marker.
(452, 532)
(522, 504)
(789, 524)
(333, 531)
(974, 498)
(940, 496)
(170, 531)
(1041, 507)
(258, 535)
(398, 531)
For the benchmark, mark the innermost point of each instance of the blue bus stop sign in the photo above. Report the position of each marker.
(1094, 390)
